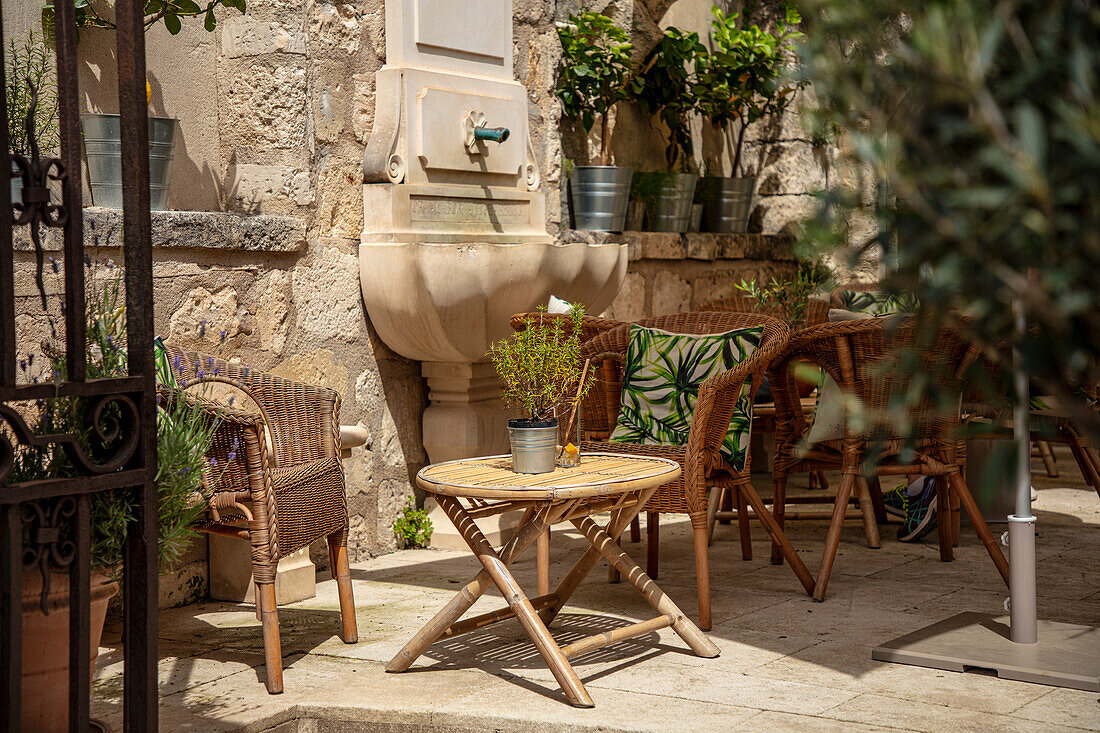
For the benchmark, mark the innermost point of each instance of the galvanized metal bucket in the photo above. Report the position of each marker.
(534, 445)
(600, 196)
(726, 203)
(672, 210)
(103, 150)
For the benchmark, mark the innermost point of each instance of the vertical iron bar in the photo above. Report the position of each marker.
(80, 619)
(68, 98)
(140, 569)
(8, 343)
(11, 617)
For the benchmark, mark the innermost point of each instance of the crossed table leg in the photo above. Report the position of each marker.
(534, 614)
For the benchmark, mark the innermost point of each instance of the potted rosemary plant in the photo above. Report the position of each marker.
(595, 75)
(183, 436)
(743, 80)
(541, 369)
(670, 92)
(103, 132)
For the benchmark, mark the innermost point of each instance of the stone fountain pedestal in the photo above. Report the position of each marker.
(454, 237)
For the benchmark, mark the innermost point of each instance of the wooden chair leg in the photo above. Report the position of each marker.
(702, 569)
(743, 523)
(726, 505)
(1048, 458)
(943, 518)
(341, 570)
(612, 572)
(867, 509)
(832, 539)
(777, 535)
(273, 650)
(652, 532)
(779, 511)
(635, 530)
(822, 482)
(980, 527)
(874, 488)
(1087, 461)
(713, 497)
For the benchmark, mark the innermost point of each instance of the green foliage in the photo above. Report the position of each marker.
(646, 187)
(789, 295)
(413, 528)
(29, 60)
(93, 13)
(671, 90)
(541, 365)
(184, 433)
(979, 123)
(745, 77)
(595, 71)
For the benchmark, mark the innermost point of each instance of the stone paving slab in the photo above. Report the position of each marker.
(787, 663)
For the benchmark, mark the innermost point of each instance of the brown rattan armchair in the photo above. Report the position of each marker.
(277, 482)
(700, 460)
(856, 355)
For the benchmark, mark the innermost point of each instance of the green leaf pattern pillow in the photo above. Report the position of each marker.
(878, 303)
(661, 379)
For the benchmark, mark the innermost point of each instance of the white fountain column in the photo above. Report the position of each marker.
(454, 239)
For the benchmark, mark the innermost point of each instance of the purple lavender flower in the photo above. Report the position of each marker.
(54, 264)
(232, 455)
(223, 337)
(30, 359)
(202, 329)
(210, 363)
(178, 363)
(214, 462)
(201, 374)
(23, 364)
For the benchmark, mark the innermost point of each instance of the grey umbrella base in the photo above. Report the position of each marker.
(1065, 655)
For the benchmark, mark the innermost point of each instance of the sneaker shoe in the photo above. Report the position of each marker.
(920, 517)
(897, 502)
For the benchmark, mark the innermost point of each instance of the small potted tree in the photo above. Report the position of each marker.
(670, 91)
(595, 75)
(541, 369)
(103, 132)
(744, 79)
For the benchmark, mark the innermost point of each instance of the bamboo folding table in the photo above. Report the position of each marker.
(603, 482)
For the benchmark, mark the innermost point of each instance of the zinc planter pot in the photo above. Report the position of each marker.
(672, 209)
(600, 197)
(534, 445)
(726, 203)
(45, 699)
(103, 152)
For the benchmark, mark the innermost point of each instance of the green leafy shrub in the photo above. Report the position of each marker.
(540, 366)
(595, 73)
(413, 528)
(790, 295)
(172, 12)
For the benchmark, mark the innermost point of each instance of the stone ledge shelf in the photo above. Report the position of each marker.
(705, 246)
(271, 233)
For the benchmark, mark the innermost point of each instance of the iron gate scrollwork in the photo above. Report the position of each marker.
(44, 524)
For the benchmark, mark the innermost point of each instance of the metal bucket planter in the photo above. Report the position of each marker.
(672, 209)
(600, 196)
(534, 445)
(726, 203)
(103, 151)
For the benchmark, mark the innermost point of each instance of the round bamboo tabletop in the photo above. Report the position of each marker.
(599, 474)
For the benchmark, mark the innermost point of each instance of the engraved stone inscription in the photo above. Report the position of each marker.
(467, 211)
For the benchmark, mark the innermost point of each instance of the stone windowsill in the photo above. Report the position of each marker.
(186, 230)
(692, 245)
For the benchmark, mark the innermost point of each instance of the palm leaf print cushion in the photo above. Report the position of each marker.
(661, 379)
(877, 303)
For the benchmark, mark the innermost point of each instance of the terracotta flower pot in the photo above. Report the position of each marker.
(46, 648)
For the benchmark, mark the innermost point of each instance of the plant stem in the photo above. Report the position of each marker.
(737, 150)
(605, 137)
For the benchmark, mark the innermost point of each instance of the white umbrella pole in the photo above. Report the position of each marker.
(1021, 525)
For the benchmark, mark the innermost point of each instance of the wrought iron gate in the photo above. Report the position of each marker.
(131, 465)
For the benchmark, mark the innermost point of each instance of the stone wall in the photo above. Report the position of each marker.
(275, 108)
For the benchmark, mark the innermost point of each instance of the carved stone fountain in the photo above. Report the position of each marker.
(454, 239)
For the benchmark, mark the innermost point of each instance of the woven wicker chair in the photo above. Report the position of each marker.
(283, 489)
(700, 459)
(817, 312)
(853, 354)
